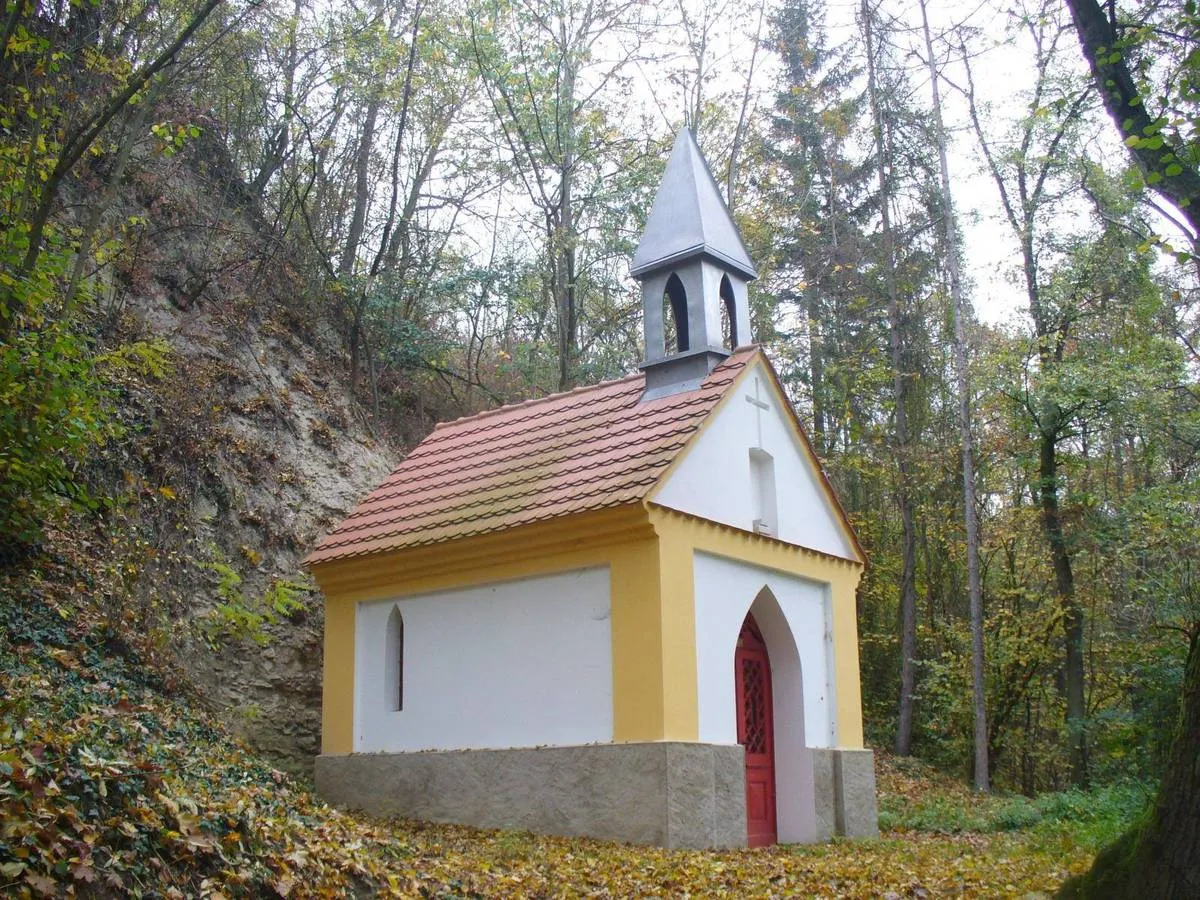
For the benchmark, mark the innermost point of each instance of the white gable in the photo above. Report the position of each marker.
(748, 464)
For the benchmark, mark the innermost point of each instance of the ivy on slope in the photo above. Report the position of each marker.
(114, 783)
(110, 788)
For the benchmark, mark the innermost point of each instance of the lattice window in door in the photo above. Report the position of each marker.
(754, 693)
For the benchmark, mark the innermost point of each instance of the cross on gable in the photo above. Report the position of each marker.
(759, 405)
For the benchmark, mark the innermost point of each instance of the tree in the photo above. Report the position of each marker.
(56, 143)
(543, 65)
(904, 494)
(66, 86)
(1027, 175)
(1160, 858)
(819, 187)
(982, 774)
(1125, 55)
(707, 27)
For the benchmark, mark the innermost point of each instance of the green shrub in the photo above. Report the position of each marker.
(243, 618)
(57, 399)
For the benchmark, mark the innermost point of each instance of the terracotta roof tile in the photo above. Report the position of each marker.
(586, 449)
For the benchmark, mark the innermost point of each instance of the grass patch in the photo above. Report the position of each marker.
(1090, 818)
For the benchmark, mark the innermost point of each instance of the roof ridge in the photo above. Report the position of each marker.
(509, 407)
(583, 389)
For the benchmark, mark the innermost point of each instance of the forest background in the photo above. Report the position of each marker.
(453, 191)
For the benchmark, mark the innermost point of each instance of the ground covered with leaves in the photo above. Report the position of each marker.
(115, 783)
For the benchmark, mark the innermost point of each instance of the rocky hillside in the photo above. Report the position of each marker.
(238, 454)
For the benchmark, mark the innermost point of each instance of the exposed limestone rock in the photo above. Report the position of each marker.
(242, 456)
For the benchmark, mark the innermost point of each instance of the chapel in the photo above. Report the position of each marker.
(626, 611)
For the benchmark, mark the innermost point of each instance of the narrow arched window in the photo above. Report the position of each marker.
(675, 315)
(393, 668)
(762, 493)
(728, 315)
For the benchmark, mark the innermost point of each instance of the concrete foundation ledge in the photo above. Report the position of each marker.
(672, 794)
(844, 788)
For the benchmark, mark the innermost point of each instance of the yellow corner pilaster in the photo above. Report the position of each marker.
(337, 689)
(636, 644)
(677, 608)
(845, 655)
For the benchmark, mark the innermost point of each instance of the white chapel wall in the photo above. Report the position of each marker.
(714, 479)
(724, 592)
(518, 664)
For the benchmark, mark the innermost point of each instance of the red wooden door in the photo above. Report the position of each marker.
(756, 732)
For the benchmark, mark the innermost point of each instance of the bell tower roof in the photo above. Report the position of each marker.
(689, 218)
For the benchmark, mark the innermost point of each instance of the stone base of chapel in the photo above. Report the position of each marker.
(669, 794)
(844, 793)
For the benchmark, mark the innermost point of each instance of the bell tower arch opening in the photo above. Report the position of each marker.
(729, 330)
(675, 316)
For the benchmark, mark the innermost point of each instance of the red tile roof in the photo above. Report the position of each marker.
(587, 449)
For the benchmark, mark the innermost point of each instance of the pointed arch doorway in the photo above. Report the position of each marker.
(756, 732)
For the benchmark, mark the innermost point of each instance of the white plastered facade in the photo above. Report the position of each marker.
(714, 480)
(519, 664)
(793, 615)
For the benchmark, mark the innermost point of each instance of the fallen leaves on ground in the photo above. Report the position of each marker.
(499, 864)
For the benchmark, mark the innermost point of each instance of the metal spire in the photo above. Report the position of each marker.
(689, 218)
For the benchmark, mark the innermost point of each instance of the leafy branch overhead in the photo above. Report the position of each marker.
(1155, 123)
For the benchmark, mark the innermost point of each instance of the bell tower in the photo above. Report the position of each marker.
(694, 272)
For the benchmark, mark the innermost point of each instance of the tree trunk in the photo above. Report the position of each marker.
(1064, 588)
(276, 151)
(739, 130)
(1050, 427)
(908, 576)
(1160, 859)
(816, 369)
(565, 238)
(362, 190)
(963, 384)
